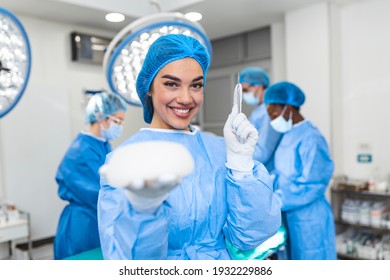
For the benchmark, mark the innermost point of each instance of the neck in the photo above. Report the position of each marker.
(95, 129)
(297, 117)
(158, 123)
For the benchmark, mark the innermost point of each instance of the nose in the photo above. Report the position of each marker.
(184, 96)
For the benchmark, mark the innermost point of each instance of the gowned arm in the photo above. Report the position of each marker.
(311, 184)
(266, 144)
(254, 213)
(126, 234)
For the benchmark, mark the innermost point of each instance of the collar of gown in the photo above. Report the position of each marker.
(178, 131)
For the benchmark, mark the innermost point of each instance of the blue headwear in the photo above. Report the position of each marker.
(254, 76)
(164, 50)
(284, 93)
(103, 104)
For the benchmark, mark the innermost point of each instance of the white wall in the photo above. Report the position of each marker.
(336, 90)
(308, 61)
(365, 85)
(278, 51)
(35, 135)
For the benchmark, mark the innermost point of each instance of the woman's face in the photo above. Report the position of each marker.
(177, 93)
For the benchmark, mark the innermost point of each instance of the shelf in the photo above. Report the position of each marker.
(347, 257)
(338, 196)
(14, 223)
(362, 193)
(364, 227)
(18, 229)
(14, 230)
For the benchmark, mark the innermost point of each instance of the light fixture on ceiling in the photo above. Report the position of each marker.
(15, 61)
(194, 16)
(115, 17)
(125, 54)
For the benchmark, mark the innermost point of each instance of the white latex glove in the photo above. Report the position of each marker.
(147, 196)
(240, 138)
(148, 171)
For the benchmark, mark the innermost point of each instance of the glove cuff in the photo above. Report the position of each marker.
(145, 204)
(239, 175)
(239, 163)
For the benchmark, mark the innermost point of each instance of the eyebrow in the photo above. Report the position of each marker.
(167, 76)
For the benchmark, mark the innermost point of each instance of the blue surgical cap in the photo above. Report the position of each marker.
(284, 93)
(164, 50)
(254, 76)
(103, 104)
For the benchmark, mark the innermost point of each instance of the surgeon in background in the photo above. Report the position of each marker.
(228, 197)
(254, 82)
(78, 178)
(303, 169)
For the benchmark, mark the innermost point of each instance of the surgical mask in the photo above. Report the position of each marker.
(113, 132)
(280, 124)
(250, 98)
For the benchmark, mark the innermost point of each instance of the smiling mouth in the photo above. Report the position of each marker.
(181, 111)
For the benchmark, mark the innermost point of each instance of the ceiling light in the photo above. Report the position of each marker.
(194, 16)
(115, 17)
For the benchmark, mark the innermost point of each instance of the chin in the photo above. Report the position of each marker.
(180, 125)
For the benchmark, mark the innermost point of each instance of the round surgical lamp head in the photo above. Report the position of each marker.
(125, 54)
(15, 61)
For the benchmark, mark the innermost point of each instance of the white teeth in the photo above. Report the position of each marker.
(182, 111)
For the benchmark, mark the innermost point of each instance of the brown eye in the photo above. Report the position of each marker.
(115, 120)
(198, 85)
(170, 84)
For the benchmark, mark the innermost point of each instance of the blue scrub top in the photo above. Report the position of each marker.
(79, 183)
(268, 137)
(203, 211)
(303, 169)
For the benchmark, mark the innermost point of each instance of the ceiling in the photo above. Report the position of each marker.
(220, 17)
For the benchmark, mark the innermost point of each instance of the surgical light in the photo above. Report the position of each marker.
(15, 61)
(126, 52)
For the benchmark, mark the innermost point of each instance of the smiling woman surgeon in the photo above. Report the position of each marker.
(227, 197)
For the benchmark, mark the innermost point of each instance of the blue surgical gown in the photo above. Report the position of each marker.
(303, 168)
(268, 137)
(208, 207)
(79, 183)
